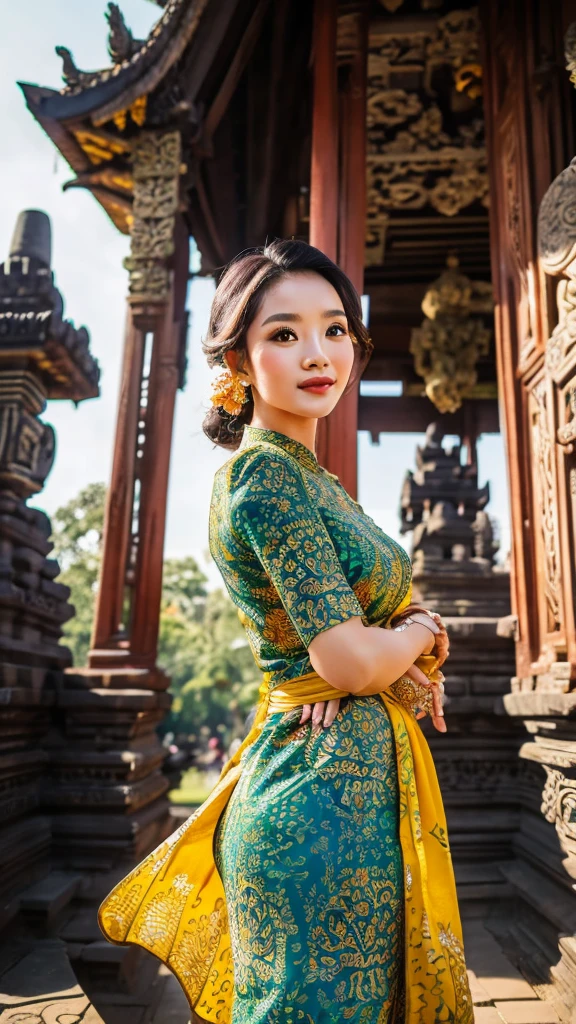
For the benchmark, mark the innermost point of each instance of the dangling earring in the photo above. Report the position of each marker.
(229, 392)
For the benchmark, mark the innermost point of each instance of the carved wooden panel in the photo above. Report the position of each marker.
(529, 136)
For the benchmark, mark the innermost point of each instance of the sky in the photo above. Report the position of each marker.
(87, 255)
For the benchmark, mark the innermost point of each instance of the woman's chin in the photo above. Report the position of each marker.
(317, 406)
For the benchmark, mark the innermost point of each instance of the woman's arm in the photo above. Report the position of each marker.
(361, 659)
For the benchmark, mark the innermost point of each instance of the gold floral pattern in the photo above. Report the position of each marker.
(309, 854)
(334, 899)
(296, 553)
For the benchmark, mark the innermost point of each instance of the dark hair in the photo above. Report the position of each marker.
(238, 296)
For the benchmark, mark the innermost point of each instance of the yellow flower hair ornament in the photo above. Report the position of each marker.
(229, 392)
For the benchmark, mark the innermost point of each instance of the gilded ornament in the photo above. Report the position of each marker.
(448, 344)
(415, 160)
(119, 119)
(229, 392)
(138, 110)
(468, 79)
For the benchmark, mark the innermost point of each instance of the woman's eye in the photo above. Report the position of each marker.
(339, 328)
(284, 334)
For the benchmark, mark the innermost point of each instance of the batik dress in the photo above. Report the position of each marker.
(315, 885)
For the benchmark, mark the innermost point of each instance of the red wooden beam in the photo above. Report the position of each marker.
(324, 171)
(338, 200)
(107, 631)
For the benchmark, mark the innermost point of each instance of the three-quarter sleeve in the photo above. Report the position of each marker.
(273, 514)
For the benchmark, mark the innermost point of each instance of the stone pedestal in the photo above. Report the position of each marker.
(41, 356)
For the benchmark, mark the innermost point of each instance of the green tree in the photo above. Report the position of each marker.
(202, 646)
(77, 536)
(224, 684)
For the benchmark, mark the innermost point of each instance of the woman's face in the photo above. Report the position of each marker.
(300, 334)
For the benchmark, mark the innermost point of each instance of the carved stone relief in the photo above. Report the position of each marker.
(156, 164)
(559, 806)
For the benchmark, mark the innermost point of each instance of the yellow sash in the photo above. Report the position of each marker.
(173, 903)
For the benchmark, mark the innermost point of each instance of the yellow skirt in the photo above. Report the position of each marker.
(173, 903)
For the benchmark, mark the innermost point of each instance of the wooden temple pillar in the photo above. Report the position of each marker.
(109, 786)
(529, 111)
(337, 191)
(127, 613)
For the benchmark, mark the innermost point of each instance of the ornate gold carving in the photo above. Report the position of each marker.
(468, 79)
(156, 164)
(456, 40)
(138, 110)
(413, 160)
(100, 146)
(450, 341)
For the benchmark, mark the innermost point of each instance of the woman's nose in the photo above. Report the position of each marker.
(315, 354)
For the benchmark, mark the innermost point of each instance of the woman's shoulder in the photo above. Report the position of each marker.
(262, 462)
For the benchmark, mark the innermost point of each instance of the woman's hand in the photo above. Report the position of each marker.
(437, 690)
(442, 646)
(322, 712)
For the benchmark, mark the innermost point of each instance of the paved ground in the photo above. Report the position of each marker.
(499, 992)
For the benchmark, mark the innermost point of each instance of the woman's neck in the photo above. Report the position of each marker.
(296, 427)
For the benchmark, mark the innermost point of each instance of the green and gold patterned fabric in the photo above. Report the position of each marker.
(308, 847)
(296, 553)
(315, 884)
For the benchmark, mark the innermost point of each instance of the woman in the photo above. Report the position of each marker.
(315, 884)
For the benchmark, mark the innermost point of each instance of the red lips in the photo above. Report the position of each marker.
(314, 382)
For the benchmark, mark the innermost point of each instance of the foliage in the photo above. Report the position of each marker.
(77, 535)
(193, 789)
(202, 645)
(223, 683)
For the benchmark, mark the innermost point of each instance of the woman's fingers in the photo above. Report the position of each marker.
(332, 709)
(306, 712)
(321, 713)
(418, 676)
(439, 723)
(442, 648)
(318, 713)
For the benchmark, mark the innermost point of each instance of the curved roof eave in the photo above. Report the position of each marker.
(106, 92)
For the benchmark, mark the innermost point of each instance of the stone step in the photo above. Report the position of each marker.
(524, 1011)
(492, 968)
(41, 986)
(173, 1006)
(82, 928)
(43, 903)
(119, 975)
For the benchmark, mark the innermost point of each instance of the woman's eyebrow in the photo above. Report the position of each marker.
(292, 317)
(295, 317)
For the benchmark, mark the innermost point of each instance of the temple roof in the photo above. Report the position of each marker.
(102, 94)
(233, 79)
(94, 117)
